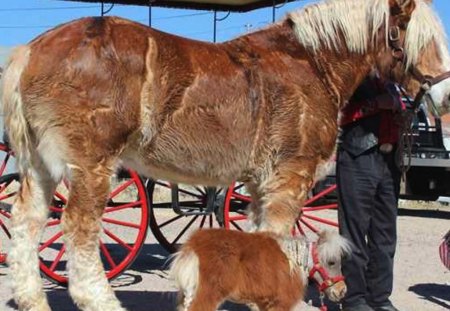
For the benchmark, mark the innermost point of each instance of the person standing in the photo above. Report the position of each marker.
(368, 182)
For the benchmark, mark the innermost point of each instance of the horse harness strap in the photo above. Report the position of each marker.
(327, 281)
(398, 53)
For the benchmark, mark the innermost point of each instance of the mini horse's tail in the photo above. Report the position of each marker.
(184, 271)
(13, 108)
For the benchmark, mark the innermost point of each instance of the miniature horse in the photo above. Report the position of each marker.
(262, 108)
(259, 268)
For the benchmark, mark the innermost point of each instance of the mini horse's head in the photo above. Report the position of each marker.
(418, 56)
(327, 255)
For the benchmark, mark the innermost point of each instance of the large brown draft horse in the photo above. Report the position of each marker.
(262, 108)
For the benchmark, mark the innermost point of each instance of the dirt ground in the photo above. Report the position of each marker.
(421, 281)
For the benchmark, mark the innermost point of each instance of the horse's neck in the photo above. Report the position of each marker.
(340, 71)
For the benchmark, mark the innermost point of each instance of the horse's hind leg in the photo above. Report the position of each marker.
(29, 215)
(88, 285)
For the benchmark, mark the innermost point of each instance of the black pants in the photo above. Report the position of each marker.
(368, 194)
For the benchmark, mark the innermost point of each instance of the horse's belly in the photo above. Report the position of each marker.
(207, 161)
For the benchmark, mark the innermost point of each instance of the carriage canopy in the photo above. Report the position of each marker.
(218, 5)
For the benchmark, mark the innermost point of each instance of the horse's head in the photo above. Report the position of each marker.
(327, 255)
(418, 56)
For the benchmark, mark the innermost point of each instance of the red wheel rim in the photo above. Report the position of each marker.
(9, 184)
(6, 157)
(171, 229)
(313, 217)
(117, 252)
(235, 208)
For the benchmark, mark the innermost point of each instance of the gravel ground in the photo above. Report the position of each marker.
(421, 281)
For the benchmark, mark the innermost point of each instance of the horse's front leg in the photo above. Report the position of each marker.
(88, 284)
(283, 193)
(29, 215)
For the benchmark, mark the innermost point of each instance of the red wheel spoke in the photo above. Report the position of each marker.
(107, 255)
(56, 209)
(4, 197)
(242, 197)
(122, 206)
(182, 232)
(322, 220)
(50, 241)
(6, 214)
(319, 208)
(58, 258)
(321, 194)
(121, 223)
(53, 223)
(61, 197)
(237, 218)
(120, 188)
(117, 239)
(310, 226)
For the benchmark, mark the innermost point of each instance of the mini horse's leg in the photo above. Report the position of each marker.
(29, 215)
(283, 194)
(88, 284)
(207, 298)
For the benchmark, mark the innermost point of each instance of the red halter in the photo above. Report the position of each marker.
(327, 281)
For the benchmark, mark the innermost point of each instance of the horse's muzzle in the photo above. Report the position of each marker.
(336, 292)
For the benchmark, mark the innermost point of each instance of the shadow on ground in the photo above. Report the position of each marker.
(131, 300)
(438, 294)
(424, 213)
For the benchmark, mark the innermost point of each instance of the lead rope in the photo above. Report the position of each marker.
(323, 306)
(406, 139)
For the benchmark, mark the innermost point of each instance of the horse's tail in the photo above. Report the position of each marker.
(185, 271)
(13, 107)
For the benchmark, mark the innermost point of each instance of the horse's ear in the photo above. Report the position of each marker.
(402, 9)
(324, 235)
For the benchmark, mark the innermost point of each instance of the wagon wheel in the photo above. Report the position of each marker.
(124, 228)
(314, 216)
(9, 184)
(6, 159)
(178, 210)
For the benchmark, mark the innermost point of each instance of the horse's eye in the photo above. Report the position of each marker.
(331, 263)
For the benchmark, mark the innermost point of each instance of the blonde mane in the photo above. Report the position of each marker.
(424, 27)
(321, 25)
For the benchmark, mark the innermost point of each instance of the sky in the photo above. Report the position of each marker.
(22, 20)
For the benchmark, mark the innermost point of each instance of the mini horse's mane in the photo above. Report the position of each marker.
(332, 246)
(322, 24)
